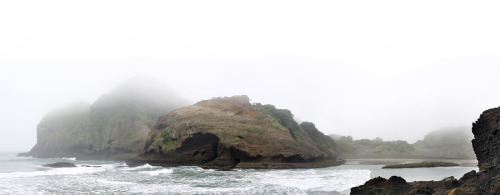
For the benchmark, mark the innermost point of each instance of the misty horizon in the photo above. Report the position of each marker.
(178, 94)
(394, 70)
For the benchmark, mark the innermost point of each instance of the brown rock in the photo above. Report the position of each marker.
(458, 191)
(231, 132)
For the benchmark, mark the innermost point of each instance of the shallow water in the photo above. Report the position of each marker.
(22, 175)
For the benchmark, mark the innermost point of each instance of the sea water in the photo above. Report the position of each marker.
(26, 175)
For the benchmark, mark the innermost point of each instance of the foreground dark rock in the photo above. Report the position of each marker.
(421, 165)
(397, 185)
(486, 145)
(226, 133)
(60, 165)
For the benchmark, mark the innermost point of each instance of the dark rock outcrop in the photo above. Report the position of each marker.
(397, 185)
(114, 127)
(394, 185)
(225, 133)
(486, 145)
(486, 141)
(60, 165)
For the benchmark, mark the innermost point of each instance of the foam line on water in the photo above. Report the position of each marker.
(317, 180)
(54, 171)
(142, 167)
(158, 172)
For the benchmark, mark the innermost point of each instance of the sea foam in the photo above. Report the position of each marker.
(54, 171)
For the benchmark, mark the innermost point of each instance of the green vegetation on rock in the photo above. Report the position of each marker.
(282, 116)
(317, 136)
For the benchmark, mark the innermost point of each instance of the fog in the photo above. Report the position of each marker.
(389, 69)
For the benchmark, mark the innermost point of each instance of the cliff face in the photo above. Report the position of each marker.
(114, 127)
(486, 141)
(53, 131)
(486, 145)
(231, 132)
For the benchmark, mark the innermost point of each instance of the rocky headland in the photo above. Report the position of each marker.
(114, 127)
(486, 144)
(230, 132)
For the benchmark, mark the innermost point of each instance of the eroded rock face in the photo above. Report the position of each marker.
(486, 141)
(486, 145)
(231, 132)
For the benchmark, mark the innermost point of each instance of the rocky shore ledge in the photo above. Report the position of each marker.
(425, 164)
(60, 165)
(486, 145)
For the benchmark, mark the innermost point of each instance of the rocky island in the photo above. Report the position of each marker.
(486, 144)
(230, 132)
(131, 123)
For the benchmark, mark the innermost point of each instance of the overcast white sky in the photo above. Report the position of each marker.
(393, 69)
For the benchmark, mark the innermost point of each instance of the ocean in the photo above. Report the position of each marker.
(26, 175)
